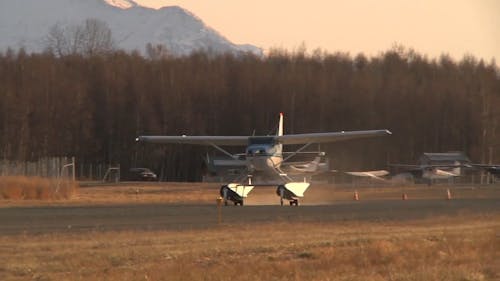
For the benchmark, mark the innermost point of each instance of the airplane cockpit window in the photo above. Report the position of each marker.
(258, 150)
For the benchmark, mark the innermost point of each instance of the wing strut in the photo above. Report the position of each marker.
(223, 151)
(297, 151)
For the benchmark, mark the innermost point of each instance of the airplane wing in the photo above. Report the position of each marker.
(330, 137)
(197, 140)
(371, 174)
(285, 139)
(492, 169)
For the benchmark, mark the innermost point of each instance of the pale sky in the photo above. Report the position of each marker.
(431, 27)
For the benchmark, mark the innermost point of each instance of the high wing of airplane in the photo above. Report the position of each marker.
(264, 154)
(244, 140)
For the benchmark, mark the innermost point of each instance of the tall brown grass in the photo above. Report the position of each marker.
(35, 188)
(464, 249)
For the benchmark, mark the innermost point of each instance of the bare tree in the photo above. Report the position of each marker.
(93, 37)
(156, 52)
(97, 38)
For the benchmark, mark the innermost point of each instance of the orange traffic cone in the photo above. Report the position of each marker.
(356, 196)
(405, 196)
(448, 194)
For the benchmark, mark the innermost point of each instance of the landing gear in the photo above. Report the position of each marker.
(285, 194)
(281, 193)
(228, 194)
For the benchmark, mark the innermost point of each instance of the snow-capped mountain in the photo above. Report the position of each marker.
(26, 23)
(124, 4)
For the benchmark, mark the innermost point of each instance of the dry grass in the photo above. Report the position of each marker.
(35, 188)
(444, 249)
(206, 193)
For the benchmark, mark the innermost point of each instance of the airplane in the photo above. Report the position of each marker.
(315, 166)
(429, 173)
(492, 169)
(377, 175)
(222, 167)
(264, 154)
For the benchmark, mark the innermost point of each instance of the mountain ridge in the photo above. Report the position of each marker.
(26, 23)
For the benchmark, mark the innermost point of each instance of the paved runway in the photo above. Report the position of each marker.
(40, 220)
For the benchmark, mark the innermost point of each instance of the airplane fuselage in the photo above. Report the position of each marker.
(263, 154)
(263, 157)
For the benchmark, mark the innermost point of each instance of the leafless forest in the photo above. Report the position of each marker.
(92, 107)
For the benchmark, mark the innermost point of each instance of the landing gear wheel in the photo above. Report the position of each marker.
(280, 191)
(294, 202)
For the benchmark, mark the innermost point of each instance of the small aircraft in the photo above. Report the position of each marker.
(429, 173)
(377, 175)
(492, 169)
(264, 154)
(315, 166)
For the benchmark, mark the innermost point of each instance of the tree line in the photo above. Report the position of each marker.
(93, 105)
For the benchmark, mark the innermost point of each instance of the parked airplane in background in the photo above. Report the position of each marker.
(313, 167)
(492, 169)
(431, 172)
(264, 154)
(377, 175)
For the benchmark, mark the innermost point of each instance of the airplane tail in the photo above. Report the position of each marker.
(457, 170)
(315, 164)
(280, 127)
(280, 133)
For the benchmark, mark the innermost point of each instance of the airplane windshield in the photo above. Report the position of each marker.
(262, 150)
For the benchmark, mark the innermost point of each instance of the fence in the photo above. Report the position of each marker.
(60, 167)
(54, 167)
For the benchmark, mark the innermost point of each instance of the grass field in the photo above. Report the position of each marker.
(15, 188)
(466, 248)
(206, 193)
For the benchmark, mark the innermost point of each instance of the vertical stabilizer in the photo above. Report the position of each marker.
(280, 127)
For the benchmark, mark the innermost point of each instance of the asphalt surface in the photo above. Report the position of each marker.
(145, 217)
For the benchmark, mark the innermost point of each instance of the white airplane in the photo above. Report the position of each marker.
(377, 175)
(315, 166)
(492, 169)
(432, 172)
(264, 154)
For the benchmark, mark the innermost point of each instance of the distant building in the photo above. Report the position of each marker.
(447, 158)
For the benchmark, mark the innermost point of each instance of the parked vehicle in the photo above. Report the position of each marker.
(142, 174)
